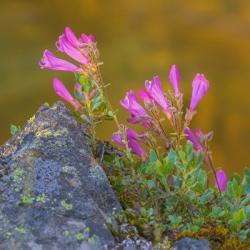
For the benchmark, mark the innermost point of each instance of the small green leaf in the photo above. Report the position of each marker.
(151, 184)
(172, 157)
(86, 119)
(97, 102)
(189, 151)
(243, 235)
(152, 156)
(207, 196)
(239, 216)
(14, 129)
(167, 167)
(86, 83)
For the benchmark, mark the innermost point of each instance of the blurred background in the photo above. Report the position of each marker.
(137, 39)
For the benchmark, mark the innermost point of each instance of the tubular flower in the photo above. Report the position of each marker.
(61, 91)
(222, 180)
(132, 138)
(200, 87)
(144, 95)
(131, 104)
(50, 61)
(69, 44)
(155, 90)
(117, 137)
(193, 138)
(174, 77)
(87, 39)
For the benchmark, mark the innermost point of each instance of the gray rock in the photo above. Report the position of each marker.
(192, 244)
(54, 195)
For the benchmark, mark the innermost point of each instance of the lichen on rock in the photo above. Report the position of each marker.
(53, 194)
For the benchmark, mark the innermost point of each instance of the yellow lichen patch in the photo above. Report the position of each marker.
(31, 119)
(48, 132)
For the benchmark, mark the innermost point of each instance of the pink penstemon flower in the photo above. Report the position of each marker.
(87, 39)
(154, 89)
(193, 138)
(70, 45)
(50, 61)
(138, 113)
(221, 182)
(132, 138)
(62, 91)
(200, 87)
(144, 95)
(174, 77)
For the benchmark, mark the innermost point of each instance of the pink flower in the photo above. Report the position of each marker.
(200, 87)
(132, 138)
(117, 137)
(193, 138)
(49, 61)
(174, 78)
(69, 44)
(155, 90)
(131, 104)
(62, 91)
(144, 95)
(87, 39)
(222, 180)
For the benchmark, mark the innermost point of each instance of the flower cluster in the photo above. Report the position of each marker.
(156, 103)
(151, 110)
(88, 100)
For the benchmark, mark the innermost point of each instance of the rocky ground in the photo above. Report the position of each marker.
(54, 195)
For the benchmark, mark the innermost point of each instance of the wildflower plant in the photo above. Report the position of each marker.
(163, 174)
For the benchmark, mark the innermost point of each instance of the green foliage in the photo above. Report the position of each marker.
(172, 193)
(95, 108)
(14, 129)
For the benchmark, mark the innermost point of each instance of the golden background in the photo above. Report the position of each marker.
(137, 40)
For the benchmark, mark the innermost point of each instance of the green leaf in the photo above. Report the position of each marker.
(78, 95)
(96, 103)
(243, 235)
(246, 181)
(218, 212)
(207, 196)
(167, 167)
(152, 156)
(14, 129)
(175, 220)
(172, 157)
(151, 184)
(85, 118)
(233, 188)
(189, 151)
(239, 216)
(236, 178)
(245, 201)
(85, 82)
(182, 155)
(198, 159)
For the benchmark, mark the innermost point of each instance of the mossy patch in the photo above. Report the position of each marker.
(65, 205)
(79, 236)
(18, 175)
(20, 230)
